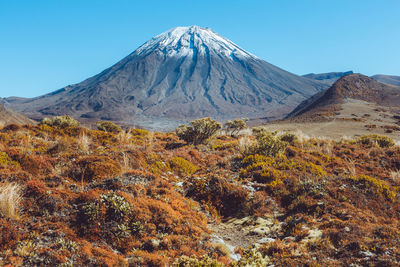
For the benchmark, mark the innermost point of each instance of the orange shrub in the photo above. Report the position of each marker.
(91, 168)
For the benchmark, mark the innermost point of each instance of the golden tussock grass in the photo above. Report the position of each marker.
(10, 198)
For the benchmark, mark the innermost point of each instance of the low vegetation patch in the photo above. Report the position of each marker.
(73, 196)
(61, 122)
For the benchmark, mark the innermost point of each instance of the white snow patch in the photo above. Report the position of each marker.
(188, 41)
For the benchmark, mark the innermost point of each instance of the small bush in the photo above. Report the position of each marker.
(91, 168)
(182, 167)
(290, 138)
(10, 198)
(6, 161)
(61, 122)
(199, 130)
(108, 126)
(185, 261)
(379, 140)
(380, 186)
(235, 126)
(228, 198)
(117, 207)
(139, 132)
(268, 144)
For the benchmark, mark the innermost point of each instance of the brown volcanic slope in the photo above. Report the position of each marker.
(350, 87)
(185, 73)
(9, 116)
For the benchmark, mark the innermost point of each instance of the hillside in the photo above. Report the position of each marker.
(388, 79)
(182, 74)
(355, 87)
(8, 116)
(80, 197)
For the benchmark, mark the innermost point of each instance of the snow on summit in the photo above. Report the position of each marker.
(192, 40)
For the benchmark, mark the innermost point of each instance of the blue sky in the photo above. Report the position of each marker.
(46, 45)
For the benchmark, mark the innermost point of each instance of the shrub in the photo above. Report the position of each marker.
(108, 126)
(235, 126)
(10, 198)
(379, 140)
(267, 144)
(117, 207)
(380, 186)
(199, 130)
(290, 138)
(95, 168)
(185, 261)
(11, 128)
(6, 161)
(61, 122)
(229, 199)
(182, 167)
(139, 132)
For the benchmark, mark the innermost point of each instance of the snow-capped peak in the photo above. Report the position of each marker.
(184, 41)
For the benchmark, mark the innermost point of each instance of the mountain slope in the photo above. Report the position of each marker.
(354, 86)
(185, 73)
(327, 78)
(388, 79)
(9, 116)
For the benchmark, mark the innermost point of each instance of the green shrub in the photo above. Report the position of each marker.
(235, 126)
(139, 132)
(61, 122)
(267, 144)
(182, 167)
(203, 261)
(108, 126)
(198, 131)
(117, 207)
(380, 186)
(290, 138)
(379, 140)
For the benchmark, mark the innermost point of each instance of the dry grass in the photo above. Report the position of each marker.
(396, 143)
(395, 176)
(10, 198)
(84, 143)
(244, 143)
(125, 162)
(351, 166)
(124, 138)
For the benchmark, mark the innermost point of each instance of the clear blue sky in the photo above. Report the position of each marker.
(46, 45)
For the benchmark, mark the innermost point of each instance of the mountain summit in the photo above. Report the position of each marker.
(192, 41)
(182, 74)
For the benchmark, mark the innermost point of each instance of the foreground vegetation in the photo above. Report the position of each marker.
(72, 196)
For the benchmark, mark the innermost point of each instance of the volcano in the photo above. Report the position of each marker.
(179, 75)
